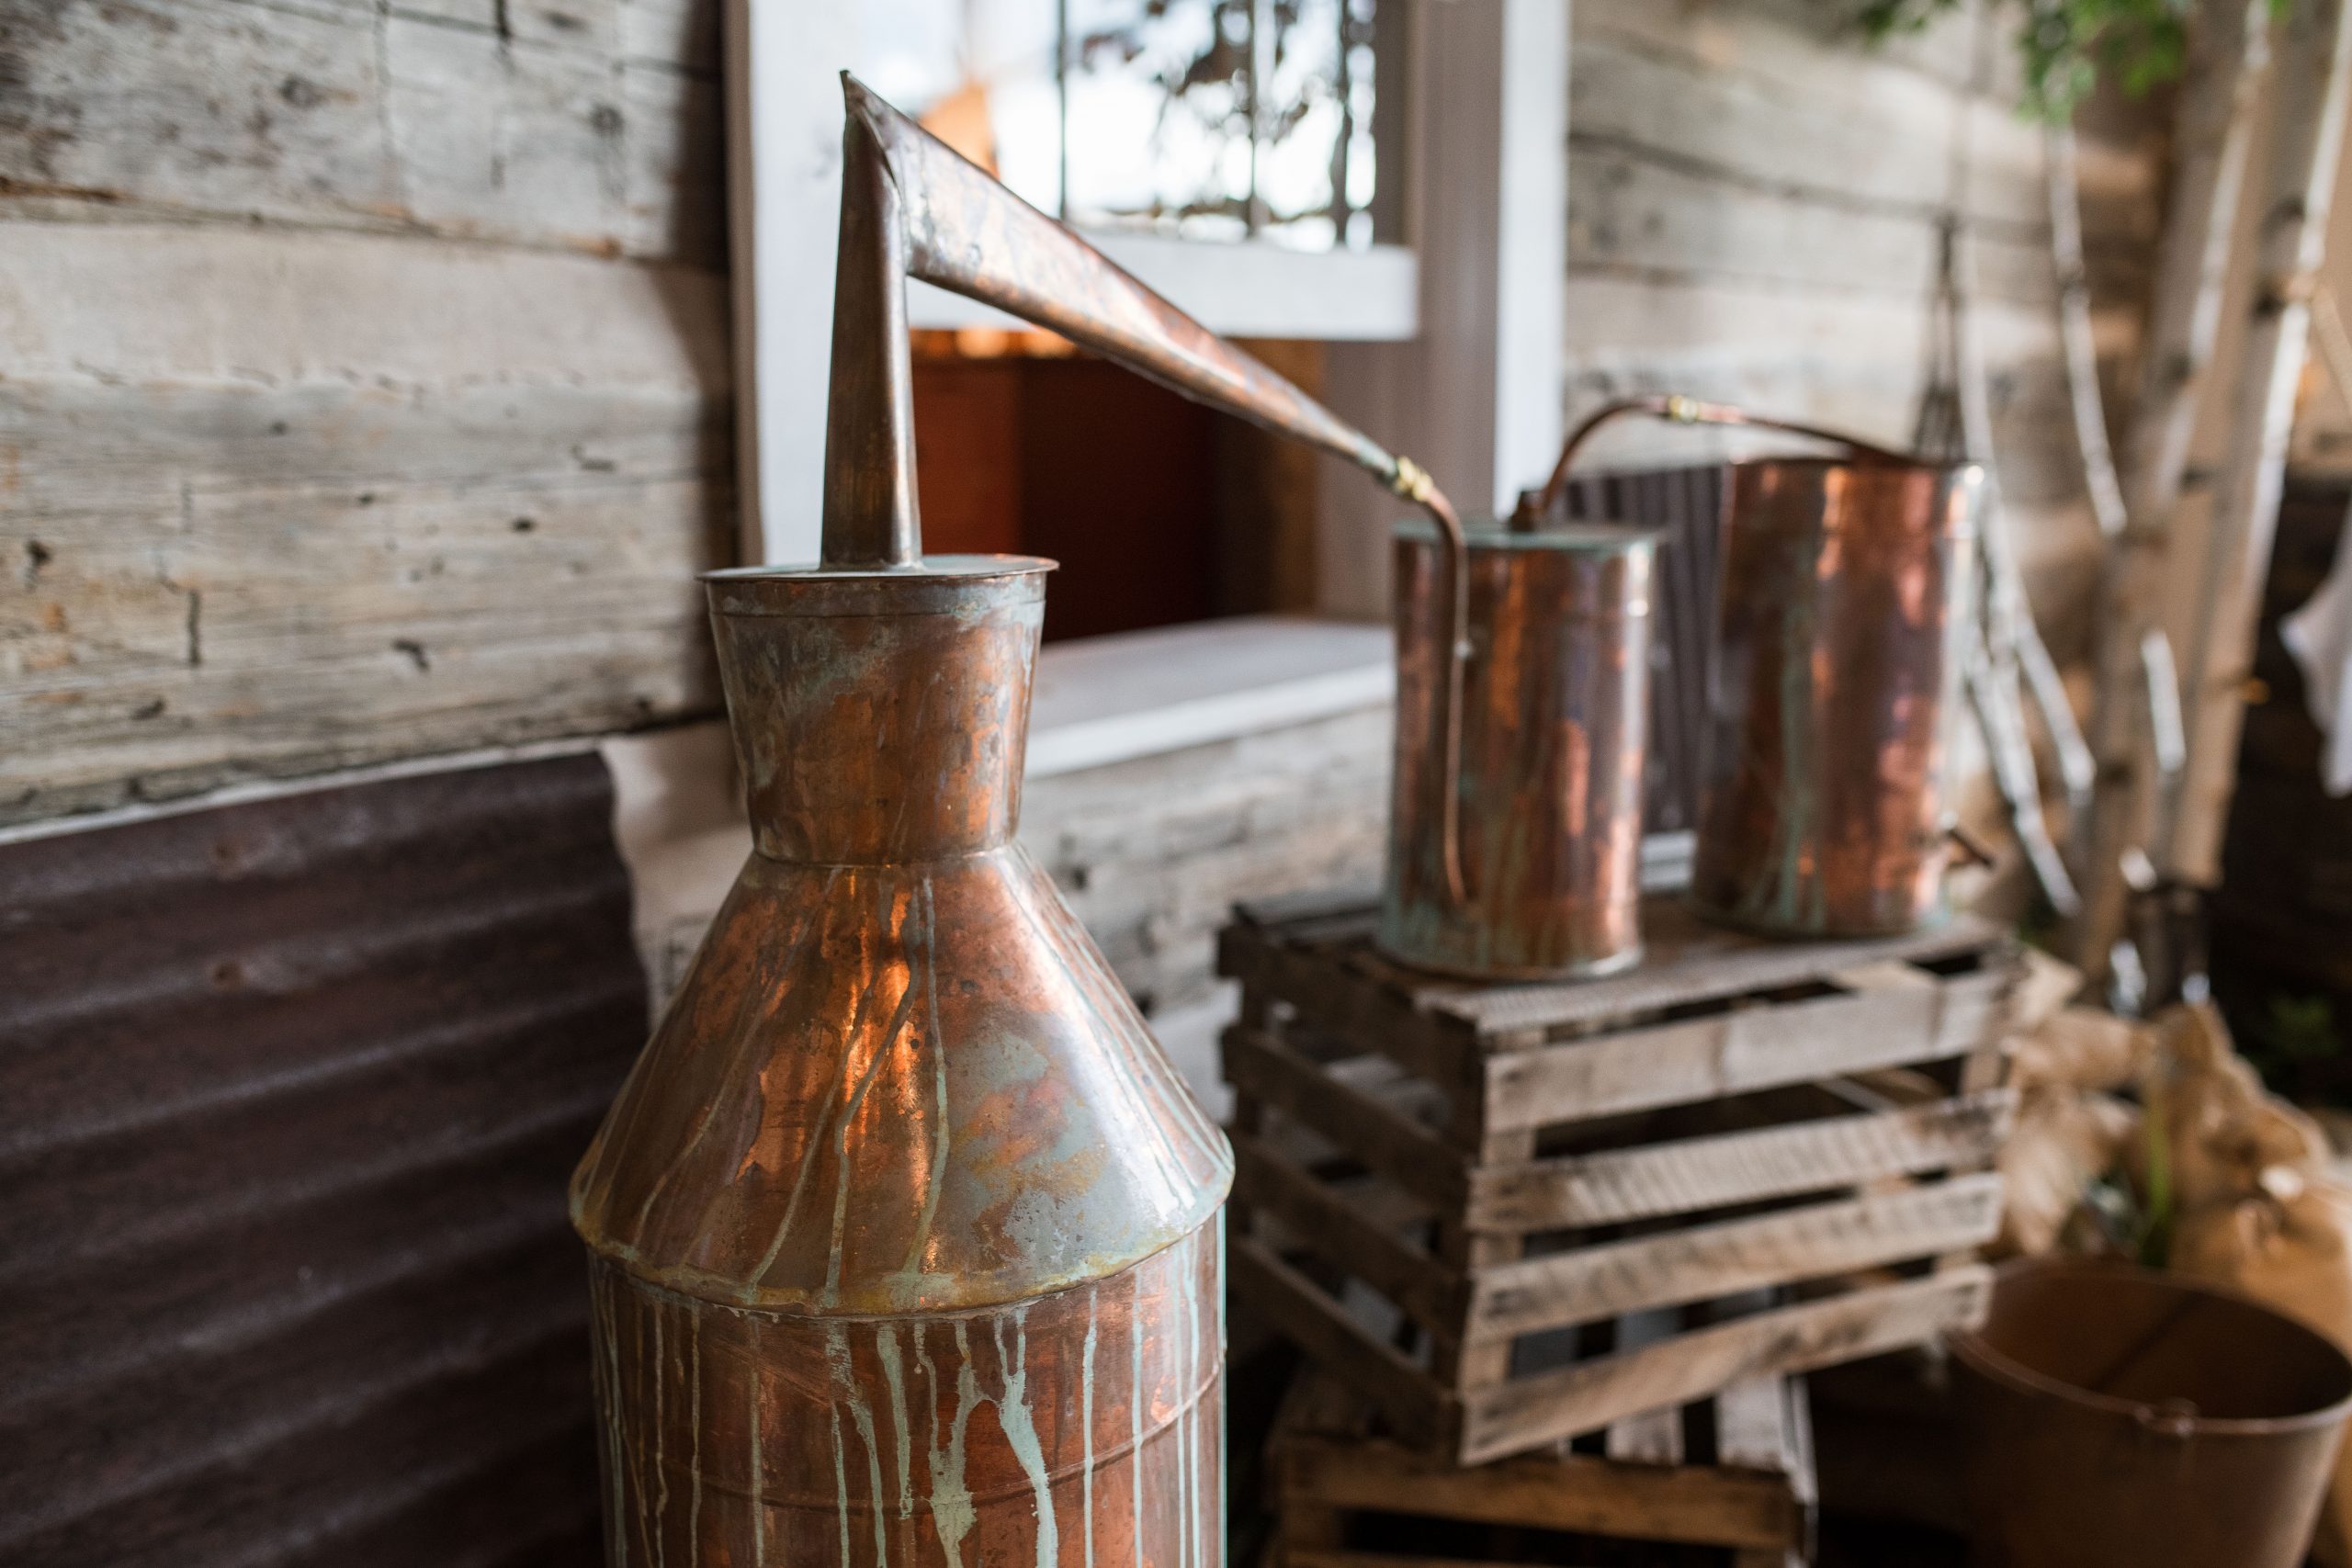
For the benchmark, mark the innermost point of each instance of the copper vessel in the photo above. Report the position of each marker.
(1844, 592)
(1553, 694)
(905, 1235)
(2116, 1417)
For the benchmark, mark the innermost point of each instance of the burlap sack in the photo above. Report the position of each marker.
(2290, 1247)
(2064, 1139)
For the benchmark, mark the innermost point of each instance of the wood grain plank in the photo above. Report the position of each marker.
(1752, 1425)
(1529, 1412)
(1295, 1307)
(551, 136)
(1341, 1557)
(1690, 962)
(1646, 1437)
(1725, 1259)
(1705, 1058)
(1334, 1229)
(1331, 995)
(1697, 1504)
(1259, 1065)
(1692, 1174)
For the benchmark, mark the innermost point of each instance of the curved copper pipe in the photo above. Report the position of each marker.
(913, 207)
(1535, 506)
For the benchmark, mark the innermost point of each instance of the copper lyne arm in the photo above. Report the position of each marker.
(911, 207)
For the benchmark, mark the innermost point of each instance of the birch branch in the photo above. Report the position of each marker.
(2314, 91)
(2229, 51)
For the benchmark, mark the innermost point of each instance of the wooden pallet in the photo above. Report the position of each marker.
(1727, 1481)
(1801, 1135)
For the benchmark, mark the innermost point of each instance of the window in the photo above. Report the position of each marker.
(1200, 120)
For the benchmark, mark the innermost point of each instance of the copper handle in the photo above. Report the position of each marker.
(1536, 507)
(913, 207)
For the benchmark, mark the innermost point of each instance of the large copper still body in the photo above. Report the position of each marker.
(905, 1235)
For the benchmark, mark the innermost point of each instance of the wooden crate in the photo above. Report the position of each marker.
(1727, 1482)
(1801, 1134)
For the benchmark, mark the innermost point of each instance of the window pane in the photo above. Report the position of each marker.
(1211, 119)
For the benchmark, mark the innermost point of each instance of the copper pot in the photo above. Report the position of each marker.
(1833, 681)
(1845, 586)
(1554, 687)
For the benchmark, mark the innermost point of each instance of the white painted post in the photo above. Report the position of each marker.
(783, 196)
(1476, 397)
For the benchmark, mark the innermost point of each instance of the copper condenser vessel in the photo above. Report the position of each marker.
(1844, 592)
(905, 1235)
(1515, 814)
(1845, 587)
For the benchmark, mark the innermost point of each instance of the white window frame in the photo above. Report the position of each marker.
(1448, 348)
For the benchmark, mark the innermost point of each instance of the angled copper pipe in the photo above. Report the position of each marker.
(913, 207)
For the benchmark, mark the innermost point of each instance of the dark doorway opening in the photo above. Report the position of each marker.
(1160, 512)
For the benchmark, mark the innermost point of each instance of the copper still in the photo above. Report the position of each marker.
(906, 1240)
(1540, 801)
(1844, 593)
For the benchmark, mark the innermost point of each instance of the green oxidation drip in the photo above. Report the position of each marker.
(886, 1351)
(1021, 1431)
(1086, 1425)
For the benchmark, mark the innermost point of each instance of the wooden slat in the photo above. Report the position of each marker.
(1338, 1557)
(1729, 1052)
(1291, 1302)
(1256, 1064)
(1689, 962)
(1652, 1437)
(1712, 1172)
(1527, 1412)
(1330, 996)
(1696, 1504)
(1722, 1259)
(1429, 1292)
(1648, 1437)
(1752, 1428)
(345, 117)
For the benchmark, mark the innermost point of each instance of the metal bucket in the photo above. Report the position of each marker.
(1845, 586)
(2118, 1418)
(1553, 693)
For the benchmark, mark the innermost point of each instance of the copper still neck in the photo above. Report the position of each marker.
(881, 717)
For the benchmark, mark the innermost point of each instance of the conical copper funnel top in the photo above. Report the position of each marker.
(898, 1078)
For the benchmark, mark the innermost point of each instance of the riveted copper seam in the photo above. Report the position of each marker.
(1554, 704)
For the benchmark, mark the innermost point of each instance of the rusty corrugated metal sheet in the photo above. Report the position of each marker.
(1687, 505)
(292, 1088)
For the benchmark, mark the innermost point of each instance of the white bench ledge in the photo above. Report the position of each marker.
(1110, 699)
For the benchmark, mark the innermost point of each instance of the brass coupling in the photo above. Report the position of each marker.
(1411, 480)
(1681, 408)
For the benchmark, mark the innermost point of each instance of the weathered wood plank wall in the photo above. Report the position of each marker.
(1754, 203)
(363, 383)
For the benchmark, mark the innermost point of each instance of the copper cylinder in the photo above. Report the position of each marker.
(1554, 699)
(1844, 588)
(905, 1232)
